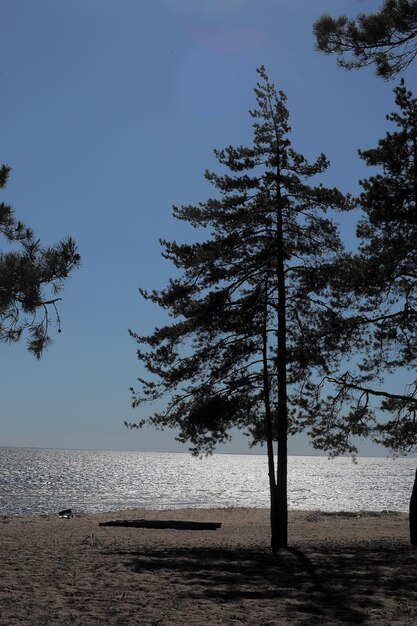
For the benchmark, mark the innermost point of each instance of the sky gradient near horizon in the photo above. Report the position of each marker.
(110, 112)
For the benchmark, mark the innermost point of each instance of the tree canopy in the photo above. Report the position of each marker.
(251, 315)
(31, 277)
(382, 279)
(386, 38)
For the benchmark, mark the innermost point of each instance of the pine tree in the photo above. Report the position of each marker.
(382, 281)
(387, 38)
(31, 276)
(251, 308)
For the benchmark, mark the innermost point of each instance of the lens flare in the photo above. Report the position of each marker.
(215, 77)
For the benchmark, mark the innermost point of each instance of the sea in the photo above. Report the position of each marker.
(36, 481)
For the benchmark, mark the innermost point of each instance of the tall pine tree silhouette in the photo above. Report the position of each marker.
(252, 318)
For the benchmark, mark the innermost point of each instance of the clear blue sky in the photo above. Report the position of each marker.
(110, 110)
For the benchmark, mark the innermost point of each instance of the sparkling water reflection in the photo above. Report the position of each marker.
(38, 481)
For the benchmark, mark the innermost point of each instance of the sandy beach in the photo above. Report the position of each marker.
(340, 569)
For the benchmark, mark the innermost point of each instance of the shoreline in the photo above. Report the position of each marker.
(341, 568)
(182, 509)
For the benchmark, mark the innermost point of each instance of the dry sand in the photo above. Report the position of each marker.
(340, 569)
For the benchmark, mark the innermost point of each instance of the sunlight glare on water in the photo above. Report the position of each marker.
(39, 481)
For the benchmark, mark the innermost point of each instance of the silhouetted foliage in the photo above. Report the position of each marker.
(31, 276)
(252, 319)
(382, 279)
(387, 38)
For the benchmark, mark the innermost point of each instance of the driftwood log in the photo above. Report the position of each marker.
(176, 524)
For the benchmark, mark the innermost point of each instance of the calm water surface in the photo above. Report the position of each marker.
(39, 481)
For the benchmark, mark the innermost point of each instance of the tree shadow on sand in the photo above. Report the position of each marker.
(326, 584)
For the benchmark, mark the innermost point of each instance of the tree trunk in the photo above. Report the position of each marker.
(275, 525)
(413, 513)
(282, 405)
(282, 497)
(269, 428)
